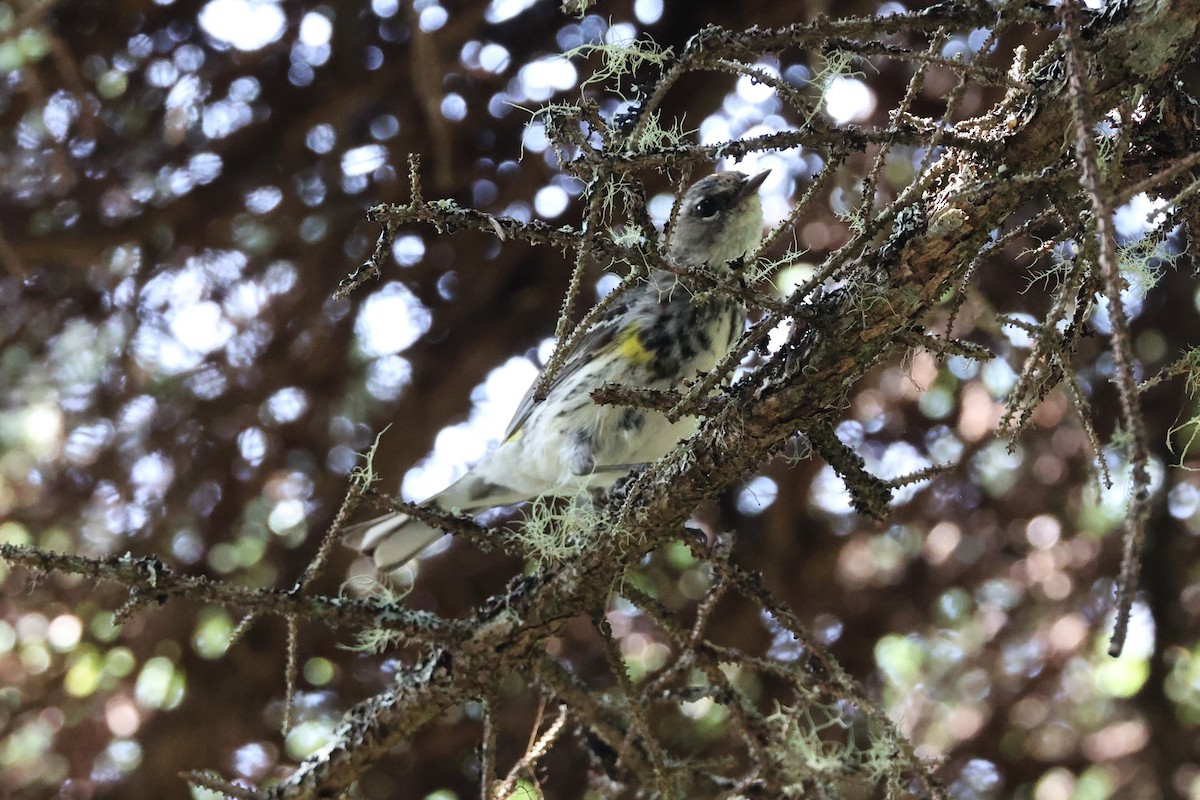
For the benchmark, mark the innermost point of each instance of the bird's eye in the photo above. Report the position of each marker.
(706, 208)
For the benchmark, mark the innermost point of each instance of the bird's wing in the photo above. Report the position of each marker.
(600, 335)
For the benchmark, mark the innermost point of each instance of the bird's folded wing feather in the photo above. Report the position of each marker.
(600, 335)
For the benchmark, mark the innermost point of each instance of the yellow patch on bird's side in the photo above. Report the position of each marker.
(629, 346)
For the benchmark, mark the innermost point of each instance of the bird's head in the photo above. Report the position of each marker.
(719, 220)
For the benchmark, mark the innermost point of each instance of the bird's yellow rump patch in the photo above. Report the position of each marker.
(629, 346)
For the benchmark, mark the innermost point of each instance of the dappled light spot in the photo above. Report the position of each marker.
(757, 495)
(391, 320)
(245, 25)
(363, 160)
(849, 100)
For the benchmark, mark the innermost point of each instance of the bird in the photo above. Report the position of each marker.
(657, 335)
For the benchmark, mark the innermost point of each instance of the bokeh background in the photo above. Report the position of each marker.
(182, 187)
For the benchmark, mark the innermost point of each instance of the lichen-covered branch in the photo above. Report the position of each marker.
(1113, 282)
(151, 582)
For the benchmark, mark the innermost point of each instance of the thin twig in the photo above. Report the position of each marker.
(213, 783)
(151, 581)
(1121, 346)
(533, 753)
(1157, 179)
(487, 749)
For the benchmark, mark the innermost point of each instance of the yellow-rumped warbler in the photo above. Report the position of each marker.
(656, 336)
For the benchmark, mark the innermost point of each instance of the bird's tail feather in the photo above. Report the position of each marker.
(391, 540)
(395, 539)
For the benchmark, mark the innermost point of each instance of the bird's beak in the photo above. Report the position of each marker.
(752, 183)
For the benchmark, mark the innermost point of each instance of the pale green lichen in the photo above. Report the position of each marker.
(362, 477)
(828, 743)
(377, 639)
(1182, 436)
(1141, 261)
(555, 530)
(621, 59)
